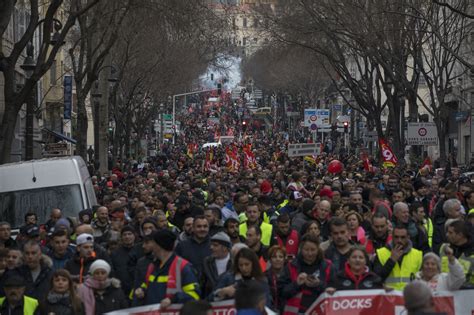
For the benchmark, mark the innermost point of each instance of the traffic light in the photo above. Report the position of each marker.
(219, 89)
(244, 123)
(346, 127)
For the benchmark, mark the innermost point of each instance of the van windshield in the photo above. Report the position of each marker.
(15, 204)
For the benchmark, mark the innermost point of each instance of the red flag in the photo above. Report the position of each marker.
(427, 162)
(208, 165)
(388, 157)
(367, 164)
(249, 157)
(232, 160)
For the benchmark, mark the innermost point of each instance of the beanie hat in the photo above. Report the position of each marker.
(63, 222)
(165, 239)
(308, 205)
(326, 192)
(266, 187)
(84, 238)
(99, 264)
(127, 228)
(222, 238)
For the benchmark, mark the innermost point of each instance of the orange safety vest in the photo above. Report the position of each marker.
(292, 243)
(173, 285)
(293, 304)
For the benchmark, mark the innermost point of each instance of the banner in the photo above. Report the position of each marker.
(377, 302)
(218, 308)
(388, 157)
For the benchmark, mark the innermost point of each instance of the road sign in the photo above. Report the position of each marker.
(320, 117)
(371, 136)
(337, 107)
(167, 116)
(304, 149)
(422, 133)
(313, 127)
(292, 114)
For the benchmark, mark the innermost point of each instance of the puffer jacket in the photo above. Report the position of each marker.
(346, 280)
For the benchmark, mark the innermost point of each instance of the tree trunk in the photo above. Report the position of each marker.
(82, 124)
(8, 129)
(441, 128)
(103, 131)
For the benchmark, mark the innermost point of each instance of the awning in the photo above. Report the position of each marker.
(60, 136)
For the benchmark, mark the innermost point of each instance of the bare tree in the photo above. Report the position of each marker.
(15, 95)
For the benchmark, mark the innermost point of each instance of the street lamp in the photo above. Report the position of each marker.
(29, 65)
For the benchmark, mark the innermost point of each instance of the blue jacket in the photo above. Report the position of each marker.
(194, 252)
(156, 290)
(60, 262)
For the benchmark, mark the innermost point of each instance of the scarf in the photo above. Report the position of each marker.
(54, 297)
(86, 293)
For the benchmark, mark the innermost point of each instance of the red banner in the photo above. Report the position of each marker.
(377, 302)
(388, 157)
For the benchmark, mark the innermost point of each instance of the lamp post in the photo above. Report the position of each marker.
(29, 65)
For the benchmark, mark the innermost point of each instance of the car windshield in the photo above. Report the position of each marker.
(15, 204)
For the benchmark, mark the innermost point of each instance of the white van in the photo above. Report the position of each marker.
(40, 185)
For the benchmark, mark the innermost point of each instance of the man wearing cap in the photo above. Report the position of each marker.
(218, 263)
(171, 280)
(15, 302)
(36, 272)
(79, 265)
(296, 199)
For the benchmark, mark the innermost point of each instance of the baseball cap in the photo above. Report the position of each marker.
(84, 239)
(295, 195)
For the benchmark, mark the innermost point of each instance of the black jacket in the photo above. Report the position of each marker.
(59, 304)
(111, 300)
(289, 288)
(74, 264)
(120, 263)
(139, 274)
(35, 288)
(209, 275)
(345, 280)
(194, 252)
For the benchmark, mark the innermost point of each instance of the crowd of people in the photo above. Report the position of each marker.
(170, 231)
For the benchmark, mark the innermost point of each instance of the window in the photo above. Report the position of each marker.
(244, 22)
(53, 74)
(14, 204)
(244, 41)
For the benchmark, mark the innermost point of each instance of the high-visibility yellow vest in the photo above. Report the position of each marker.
(428, 225)
(467, 264)
(266, 232)
(29, 305)
(402, 274)
(281, 205)
(243, 217)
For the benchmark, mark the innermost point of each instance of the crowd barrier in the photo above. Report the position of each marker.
(360, 302)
